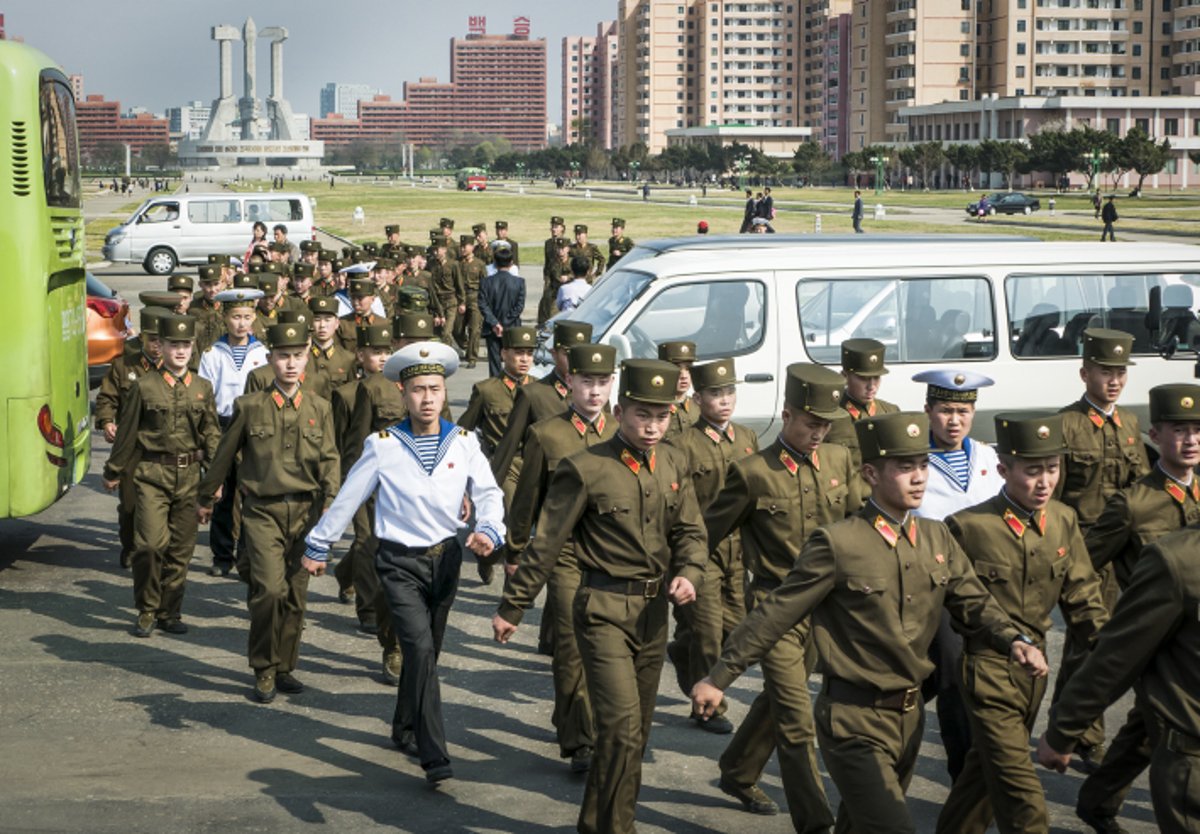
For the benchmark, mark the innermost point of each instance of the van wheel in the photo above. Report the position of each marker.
(1028, 211)
(160, 261)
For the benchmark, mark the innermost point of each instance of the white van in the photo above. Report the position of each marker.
(168, 230)
(1013, 309)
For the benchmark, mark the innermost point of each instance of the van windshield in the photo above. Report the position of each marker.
(608, 298)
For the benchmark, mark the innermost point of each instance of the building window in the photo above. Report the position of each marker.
(1020, 25)
(1020, 72)
(1020, 48)
(1142, 124)
(1113, 126)
(1171, 127)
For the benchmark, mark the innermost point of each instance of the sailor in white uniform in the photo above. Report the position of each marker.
(962, 473)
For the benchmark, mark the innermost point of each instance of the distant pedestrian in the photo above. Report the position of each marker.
(1109, 215)
(646, 192)
(857, 214)
(749, 214)
(765, 205)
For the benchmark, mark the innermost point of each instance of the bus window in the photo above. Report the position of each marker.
(60, 168)
(917, 319)
(214, 211)
(1048, 313)
(723, 318)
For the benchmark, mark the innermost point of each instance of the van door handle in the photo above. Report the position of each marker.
(174, 227)
(760, 377)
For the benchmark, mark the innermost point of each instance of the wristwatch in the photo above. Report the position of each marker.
(1026, 639)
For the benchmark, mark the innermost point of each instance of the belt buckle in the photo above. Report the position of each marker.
(436, 550)
(909, 702)
(181, 461)
(655, 584)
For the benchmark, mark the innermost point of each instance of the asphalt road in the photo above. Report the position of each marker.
(104, 732)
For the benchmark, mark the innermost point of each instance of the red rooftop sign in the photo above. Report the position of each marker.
(521, 27)
(477, 24)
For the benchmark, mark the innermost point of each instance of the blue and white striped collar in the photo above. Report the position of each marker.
(447, 431)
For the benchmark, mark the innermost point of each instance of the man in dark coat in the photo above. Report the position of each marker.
(501, 301)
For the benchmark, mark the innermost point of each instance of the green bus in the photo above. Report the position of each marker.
(44, 411)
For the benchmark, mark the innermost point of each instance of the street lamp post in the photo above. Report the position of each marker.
(633, 169)
(878, 162)
(1096, 157)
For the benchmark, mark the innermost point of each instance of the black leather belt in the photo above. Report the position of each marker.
(647, 588)
(178, 461)
(1182, 743)
(900, 700)
(432, 551)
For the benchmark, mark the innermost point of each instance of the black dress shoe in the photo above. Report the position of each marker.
(438, 773)
(220, 569)
(286, 683)
(126, 559)
(1088, 759)
(470, 364)
(347, 596)
(717, 724)
(368, 627)
(172, 627)
(581, 760)
(752, 798)
(406, 743)
(1100, 824)
(144, 626)
(264, 686)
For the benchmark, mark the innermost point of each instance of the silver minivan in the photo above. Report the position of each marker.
(1012, 309)
(168, 230)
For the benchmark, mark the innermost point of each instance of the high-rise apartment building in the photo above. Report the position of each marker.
(589, 87)
(344, 98)
(824, 68)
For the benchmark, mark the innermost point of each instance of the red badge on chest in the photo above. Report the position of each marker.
(940, 559)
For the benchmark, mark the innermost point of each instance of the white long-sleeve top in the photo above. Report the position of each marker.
(229, 381)
(412, 507)
(944, 497)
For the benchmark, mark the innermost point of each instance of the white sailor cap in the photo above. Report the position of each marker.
(953, 385)
(230, 296)
(358, 269)
(421, 359)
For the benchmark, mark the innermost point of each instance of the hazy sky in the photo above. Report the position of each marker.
(160, 54)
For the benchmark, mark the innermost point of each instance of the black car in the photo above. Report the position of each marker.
(1013, 203)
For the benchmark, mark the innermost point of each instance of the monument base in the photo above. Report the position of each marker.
(267, 153)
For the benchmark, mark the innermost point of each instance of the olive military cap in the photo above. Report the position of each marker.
(360, 256)
(649, 381)
(177, 328)
(815, 389)
(155, 298)
(149, 316)
(581, 227)
(1107, 347)
(501, 224)
(898, 435)
(375, 336)
(415, 299)
(413, 325)
(446, 223)
(302, 317)
(953, 386)
(716, 374)
(466, 240)
(678, 352)
(325, 305)
(619, 221)
(210, 274)
(304, 270)
(181, 283)
(219, 260)
(519, 337)
(310, 246)
(557, 221)
(864, 357)
(287, 335)
(385, 263)
(438, 241)
(278, 246)
(361, 287)
(479, 227)
(269, 284)
(244, 281)
(567, 333)
(274, 267)
(1030, 434)
(327, 256)
(560, 242)
(592, 359)
(370, 247)
(1176, 403)
(391, 229)
(254, 269)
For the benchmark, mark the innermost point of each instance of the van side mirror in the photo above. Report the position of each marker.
(1154, 315)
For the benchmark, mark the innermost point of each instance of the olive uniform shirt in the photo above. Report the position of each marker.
(489, 408)
(1031, 564)
(423, 279)
(447, 280)
(633, 517)
(473, 273)
(263, 377)
(1104, 455)
(710, 453)
(546, 444)
(343, 401)
(264, 320)
(335, 362)
(1153, 506)
(623, 243)
(874, 589)
(596, 259)
(684, 414)
(124, 371)
(842, 431)
(210, 325)
(164, 415)
(347, 332)
(286, 445)
(1153, 639)
(532, 403)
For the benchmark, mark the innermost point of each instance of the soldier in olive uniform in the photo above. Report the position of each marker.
(618, 244)
(183, 286)
(474, 271)
(482, 250)
(502, 237)
(326, 355)
(554, 269)
(863, 367)
(206, 310)
(1027, 549)
(303, 275)
(777, 498)
(550, 255)
(448, 287)
(312, 379)
(558, 228)
(266, 312)
(684, 412)
(362, 296)
(589, 250)
(167, 427)
(225, 264)
(384, 276)
(1152, 642)
(639, 539)
(712, 444)
(287, 474)
(874, 585)
(141, 355)
(446, 230)
(392, 248)
(1104, 455)
(547, 443)
(1156, 504)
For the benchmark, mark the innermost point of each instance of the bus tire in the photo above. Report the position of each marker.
(160, 261)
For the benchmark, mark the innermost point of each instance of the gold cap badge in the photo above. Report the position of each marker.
(1187, 402)
(1043, 432)
(913, 430)
(657, 381)
(425, 354)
